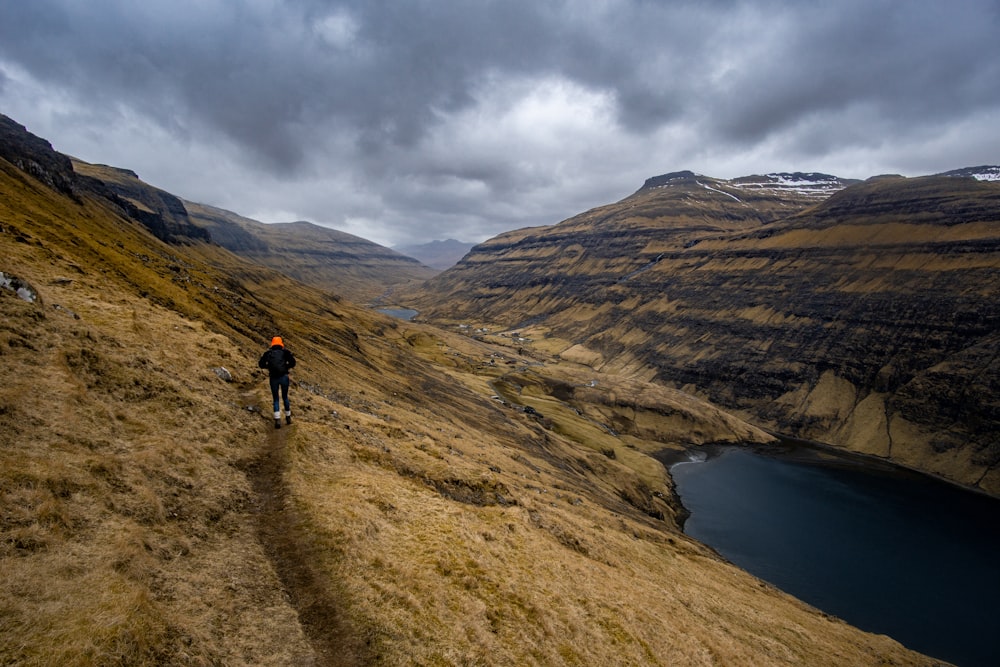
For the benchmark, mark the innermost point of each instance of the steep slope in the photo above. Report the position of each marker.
(150, 514)
(161, 213)
(357, 269)
(869, 320)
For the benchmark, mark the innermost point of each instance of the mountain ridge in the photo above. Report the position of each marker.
(160, 212)
(980, 173)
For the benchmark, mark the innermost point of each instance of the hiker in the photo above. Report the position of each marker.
(277, 360)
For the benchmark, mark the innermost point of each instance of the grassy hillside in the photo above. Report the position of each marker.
(150, 514)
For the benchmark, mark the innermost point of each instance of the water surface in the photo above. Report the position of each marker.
(401, 313)
(887, 550)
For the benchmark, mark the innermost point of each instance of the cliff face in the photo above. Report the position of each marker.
(35, 156)
(870, 320)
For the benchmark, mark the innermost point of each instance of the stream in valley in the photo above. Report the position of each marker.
(887, 550)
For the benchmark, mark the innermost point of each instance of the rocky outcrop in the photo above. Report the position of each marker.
(868, 321)
(35, 156)
(19, 286)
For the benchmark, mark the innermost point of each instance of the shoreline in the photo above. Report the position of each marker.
(811, 452)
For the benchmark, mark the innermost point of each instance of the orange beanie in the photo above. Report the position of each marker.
(277, 341)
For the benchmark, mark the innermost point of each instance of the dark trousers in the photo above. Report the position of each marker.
(282, 383)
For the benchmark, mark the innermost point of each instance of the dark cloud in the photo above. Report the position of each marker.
(916, 63)
(395, 120)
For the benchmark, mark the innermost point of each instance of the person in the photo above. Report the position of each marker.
(277, 360)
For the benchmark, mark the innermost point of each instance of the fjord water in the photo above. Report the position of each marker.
(887, 550)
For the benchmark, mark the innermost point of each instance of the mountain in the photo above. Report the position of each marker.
(150, 514)
(439, 255)
(864, 315)
(586, 253)
(336, 261)
(341, 263)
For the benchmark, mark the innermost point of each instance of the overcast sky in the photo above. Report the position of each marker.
(405, 121)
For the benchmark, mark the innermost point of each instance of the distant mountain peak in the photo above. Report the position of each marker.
(440, 255)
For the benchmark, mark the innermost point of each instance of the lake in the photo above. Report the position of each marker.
(400, 313)
(887, 550)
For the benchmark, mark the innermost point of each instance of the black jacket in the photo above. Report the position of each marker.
(277, 361)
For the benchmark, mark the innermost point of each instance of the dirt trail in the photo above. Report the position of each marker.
(284, 542)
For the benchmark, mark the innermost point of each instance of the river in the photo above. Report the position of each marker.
(887, 550)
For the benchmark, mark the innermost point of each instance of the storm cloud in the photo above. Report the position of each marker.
(410, 121)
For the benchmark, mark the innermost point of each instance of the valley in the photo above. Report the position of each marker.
(447, 495)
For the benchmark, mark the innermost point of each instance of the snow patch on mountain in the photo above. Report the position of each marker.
(811, 184)
(981, 173)
(721, 192)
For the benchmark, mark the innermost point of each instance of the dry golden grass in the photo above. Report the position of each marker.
(128, 528)
(147, 516)
(551, 576)
(127, 531)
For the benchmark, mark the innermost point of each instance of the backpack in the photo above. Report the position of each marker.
(276, 361)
